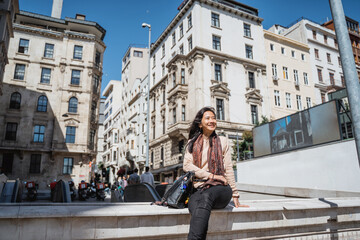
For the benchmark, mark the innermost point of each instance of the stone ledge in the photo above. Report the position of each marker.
(293, 191)
(264, 219)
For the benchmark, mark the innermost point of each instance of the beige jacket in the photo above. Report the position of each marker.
(203, 173)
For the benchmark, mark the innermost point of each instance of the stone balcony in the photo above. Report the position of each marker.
(329, 218)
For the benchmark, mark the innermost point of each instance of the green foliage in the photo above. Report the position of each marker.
(264, 120)
(244, 146)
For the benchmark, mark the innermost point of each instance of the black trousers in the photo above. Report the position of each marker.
(200, 205)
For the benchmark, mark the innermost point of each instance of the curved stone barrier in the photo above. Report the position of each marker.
(330, 218)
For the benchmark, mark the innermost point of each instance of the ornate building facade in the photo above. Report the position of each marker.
(8, 9)
(49, 109)
(211, 54)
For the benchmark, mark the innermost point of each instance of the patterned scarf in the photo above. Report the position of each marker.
(214, 155)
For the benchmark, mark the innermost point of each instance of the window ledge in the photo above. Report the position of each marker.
(73, 114)
(14, 109)
(213, 81)
(249, 88)
(41, 112)
(180, 37)
(219, 28)
(47, 58)
(189, 28)
(77, 60)
(23, 54)
(18, 80)
(248, 37)
(44, 84)
(74, 85)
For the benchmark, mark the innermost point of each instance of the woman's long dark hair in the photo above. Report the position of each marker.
(195, 130)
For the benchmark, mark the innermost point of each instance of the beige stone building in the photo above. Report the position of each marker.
(125, 115)
(8, 9)
(211, 54)
(132, 116)
(327, 73)
(110, 156)
(291, 87)
(49, 109)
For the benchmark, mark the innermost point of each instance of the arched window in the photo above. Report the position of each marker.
(42, 104)
(15, 100)
(73, 104)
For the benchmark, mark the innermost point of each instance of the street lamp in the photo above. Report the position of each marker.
(144, 25)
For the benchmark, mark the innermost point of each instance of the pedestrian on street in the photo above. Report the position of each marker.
(208, 155)
(123, 182)
(134, 178)
(147, 177)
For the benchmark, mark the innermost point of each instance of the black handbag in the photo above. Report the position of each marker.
(179, 192)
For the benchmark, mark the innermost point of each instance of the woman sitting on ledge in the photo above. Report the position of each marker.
(208, 155)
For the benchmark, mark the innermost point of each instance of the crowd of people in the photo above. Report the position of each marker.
(132, 177)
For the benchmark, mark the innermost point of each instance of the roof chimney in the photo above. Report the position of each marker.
(80, 16)
(56, 8)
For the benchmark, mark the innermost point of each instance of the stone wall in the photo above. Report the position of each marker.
(331, 218)
(332, 166)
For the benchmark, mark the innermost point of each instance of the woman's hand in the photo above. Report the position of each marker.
(237, 203)
(221, 179)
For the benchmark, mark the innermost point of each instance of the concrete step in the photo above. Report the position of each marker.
(329, 218)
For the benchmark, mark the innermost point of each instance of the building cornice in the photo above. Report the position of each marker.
(64, 22)
(158, 141)
(188, 5)
(321, 29)
(214, 54)
(268, 34)
(224, 56)
(44, 32)
(58, 35)
(162, 80)
(71, 34)
(136, 97)
(322, 44)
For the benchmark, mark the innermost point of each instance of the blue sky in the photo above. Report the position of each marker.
(122, 19)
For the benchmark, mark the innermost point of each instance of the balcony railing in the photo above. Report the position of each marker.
(356, 50)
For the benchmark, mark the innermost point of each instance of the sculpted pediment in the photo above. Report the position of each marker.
(71, 122)
(254, 96)
(220, 89)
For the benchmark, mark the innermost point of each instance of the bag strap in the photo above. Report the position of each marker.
(163, 199)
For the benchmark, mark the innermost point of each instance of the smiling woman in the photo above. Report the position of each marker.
(208, 155)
